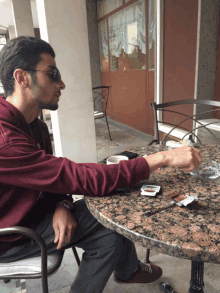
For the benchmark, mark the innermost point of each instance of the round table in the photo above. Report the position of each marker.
(181, 232)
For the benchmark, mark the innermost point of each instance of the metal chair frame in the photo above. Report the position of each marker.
(160, 107)
(44, 273)
(100, 99)
(197, 267)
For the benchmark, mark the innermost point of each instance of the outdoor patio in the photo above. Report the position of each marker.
(175, 271)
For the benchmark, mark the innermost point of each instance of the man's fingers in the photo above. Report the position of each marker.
(70, 232)
(187, 158)
(64, 225)
(61, 239)
(196, 150)
(194, 160)
(65, 236)
(56, 232)
(197, 158)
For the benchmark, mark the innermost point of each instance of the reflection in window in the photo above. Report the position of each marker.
(107, 6)
(103, 39)
(151, 35)
(127, 38)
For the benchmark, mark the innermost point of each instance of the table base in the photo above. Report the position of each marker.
(196, 282)
(147, 260)
(197, 272)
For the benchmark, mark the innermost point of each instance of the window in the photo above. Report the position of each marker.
(151, 34)
(103, 40)
(107, 6)
(127, 39)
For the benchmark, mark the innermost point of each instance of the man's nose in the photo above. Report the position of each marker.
(61, 85)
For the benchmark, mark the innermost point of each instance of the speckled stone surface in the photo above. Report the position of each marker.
(182, 232)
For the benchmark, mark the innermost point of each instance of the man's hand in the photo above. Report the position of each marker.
(188, 158)
(64, 225)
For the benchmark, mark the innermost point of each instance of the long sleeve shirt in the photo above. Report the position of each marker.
(28, 168)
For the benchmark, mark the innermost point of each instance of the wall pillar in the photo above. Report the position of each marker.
(22, 18)
(64, 25)
(206, 59)
(11, 30)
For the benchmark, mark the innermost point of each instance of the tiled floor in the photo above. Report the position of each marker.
(175, 271)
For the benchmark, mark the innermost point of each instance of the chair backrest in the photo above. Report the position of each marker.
(100, 98)
(197, 122)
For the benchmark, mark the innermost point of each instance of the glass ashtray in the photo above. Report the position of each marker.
(210, 170)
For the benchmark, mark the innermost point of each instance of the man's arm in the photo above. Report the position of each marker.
(28, 167)
(186, 157)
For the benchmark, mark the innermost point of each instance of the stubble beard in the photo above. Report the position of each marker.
(35, 91)
(48, 106)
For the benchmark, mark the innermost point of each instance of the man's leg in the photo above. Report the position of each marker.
(103, 252)
(103, 249)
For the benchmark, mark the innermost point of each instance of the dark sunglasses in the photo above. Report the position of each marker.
(54, 74)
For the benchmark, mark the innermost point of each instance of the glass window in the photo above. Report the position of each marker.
(151, 34)
(103, 40)
(107, 6)
(127, 38)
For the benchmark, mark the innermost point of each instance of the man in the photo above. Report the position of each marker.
(34, 183)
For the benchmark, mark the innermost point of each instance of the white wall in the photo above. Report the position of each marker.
(64, 25)
(22, 15)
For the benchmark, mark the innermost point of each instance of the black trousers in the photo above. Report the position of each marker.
(105, 251)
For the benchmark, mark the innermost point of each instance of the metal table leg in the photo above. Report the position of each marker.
(196, 282)
(147, 260)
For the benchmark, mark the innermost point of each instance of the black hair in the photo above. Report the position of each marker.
(22, 52)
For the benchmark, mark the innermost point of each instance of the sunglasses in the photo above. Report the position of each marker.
(54, 74)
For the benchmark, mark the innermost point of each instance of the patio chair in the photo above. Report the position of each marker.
(203, 119)
(100, 99)
(36, 267)
(179, 130)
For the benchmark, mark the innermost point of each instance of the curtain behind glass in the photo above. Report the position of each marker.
(127, 37)
(151, 34)
(107, 6)
(103, 41)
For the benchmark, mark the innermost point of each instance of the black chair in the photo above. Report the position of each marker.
(199, 119)
(100, 99)
(203, 119)
(36, 267)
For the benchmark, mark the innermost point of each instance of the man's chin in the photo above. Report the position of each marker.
(49, 106)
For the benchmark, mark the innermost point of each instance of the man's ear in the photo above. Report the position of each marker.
(21, 77)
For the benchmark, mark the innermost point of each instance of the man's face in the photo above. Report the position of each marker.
(45, 90)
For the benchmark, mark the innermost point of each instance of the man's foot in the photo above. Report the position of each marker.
(146, 273)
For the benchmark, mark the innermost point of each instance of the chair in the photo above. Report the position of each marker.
(178, 130)
(100, 99)
(203, 119)
(36, 267)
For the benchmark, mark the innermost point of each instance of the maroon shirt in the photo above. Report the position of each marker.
(26, 170)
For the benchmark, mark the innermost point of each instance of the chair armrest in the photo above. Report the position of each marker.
(33, 235)
(25, 231)
(154, 141)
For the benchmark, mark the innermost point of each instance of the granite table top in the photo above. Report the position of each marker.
(191, 233)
